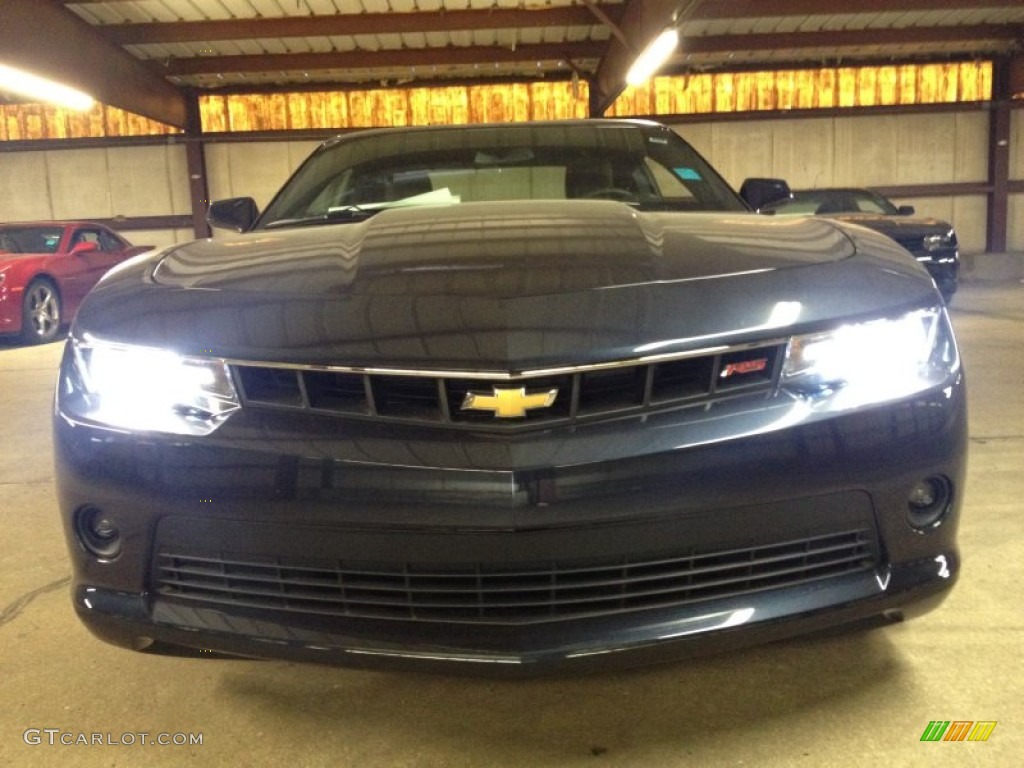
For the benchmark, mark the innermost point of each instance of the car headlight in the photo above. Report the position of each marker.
(146, 389)
(871, 362)
(941, 240)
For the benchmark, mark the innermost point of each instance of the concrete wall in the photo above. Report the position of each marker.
(253, 169)
(883, 150)
(103, 183)
(98, 183)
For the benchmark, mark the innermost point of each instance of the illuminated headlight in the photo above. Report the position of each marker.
(146, 389)
(943, 240)
(871, 362)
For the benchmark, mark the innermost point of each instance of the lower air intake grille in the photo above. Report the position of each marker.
(506, 594)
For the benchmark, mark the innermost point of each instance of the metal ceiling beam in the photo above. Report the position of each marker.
(350, 24)
(732, 9)
(49, 41)
(848, 38)
(755, 9)
(999, 140)
(385, 59)
(641, 22)
(613, 24)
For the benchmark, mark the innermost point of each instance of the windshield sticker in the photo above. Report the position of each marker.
(687, 174)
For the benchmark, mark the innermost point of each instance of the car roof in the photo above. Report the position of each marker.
(575, 123)
(82, 223)
(828, 190)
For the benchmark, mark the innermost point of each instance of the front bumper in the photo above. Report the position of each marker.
(10, 309)
(230, 543)
(944, 267)
(141, 623)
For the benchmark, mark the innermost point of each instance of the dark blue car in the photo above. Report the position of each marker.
(509, 399)
(931, 241)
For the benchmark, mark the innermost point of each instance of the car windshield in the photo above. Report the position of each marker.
(825, 201)
(30, 239)
(647, 167)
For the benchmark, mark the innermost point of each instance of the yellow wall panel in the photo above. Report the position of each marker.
(725, 93)
(35, 122)
(706, 93)
(825, 88)
(888, 85)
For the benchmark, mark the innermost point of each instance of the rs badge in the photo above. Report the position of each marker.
(508, 403)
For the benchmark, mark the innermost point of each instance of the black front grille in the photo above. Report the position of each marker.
(914, 244)
(507, 593)
(584, 393)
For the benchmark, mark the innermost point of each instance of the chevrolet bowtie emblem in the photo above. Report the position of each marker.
(508, 403)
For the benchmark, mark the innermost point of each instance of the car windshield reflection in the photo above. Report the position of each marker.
(354, 179)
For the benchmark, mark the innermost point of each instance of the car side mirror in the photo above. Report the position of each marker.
(758, 193)
(906, 210)
(235, 213)
(84, 246)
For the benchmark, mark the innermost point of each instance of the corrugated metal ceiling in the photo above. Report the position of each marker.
(142, 54)
(217, 43)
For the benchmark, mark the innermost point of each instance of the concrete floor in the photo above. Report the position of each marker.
(863, 699)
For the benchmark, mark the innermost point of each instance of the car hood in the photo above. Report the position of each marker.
(507, 250)
(900, 227)
(487, 285)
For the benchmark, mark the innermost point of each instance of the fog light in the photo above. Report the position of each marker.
(98, 532)
(928, 501)
(922, 495)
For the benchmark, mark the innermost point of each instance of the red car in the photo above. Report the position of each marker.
(46, 268)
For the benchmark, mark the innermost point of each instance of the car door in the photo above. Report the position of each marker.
(113, 250)
(49, 244)
(95, 261)
(84, 264)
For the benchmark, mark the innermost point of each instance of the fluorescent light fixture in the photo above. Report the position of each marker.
(40, 89)
(653, 57)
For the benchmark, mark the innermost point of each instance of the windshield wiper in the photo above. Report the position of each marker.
(341, 213)
(362, 212)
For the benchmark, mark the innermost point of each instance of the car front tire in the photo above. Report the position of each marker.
(40, 313)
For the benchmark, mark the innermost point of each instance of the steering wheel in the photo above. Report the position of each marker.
(613, 193)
